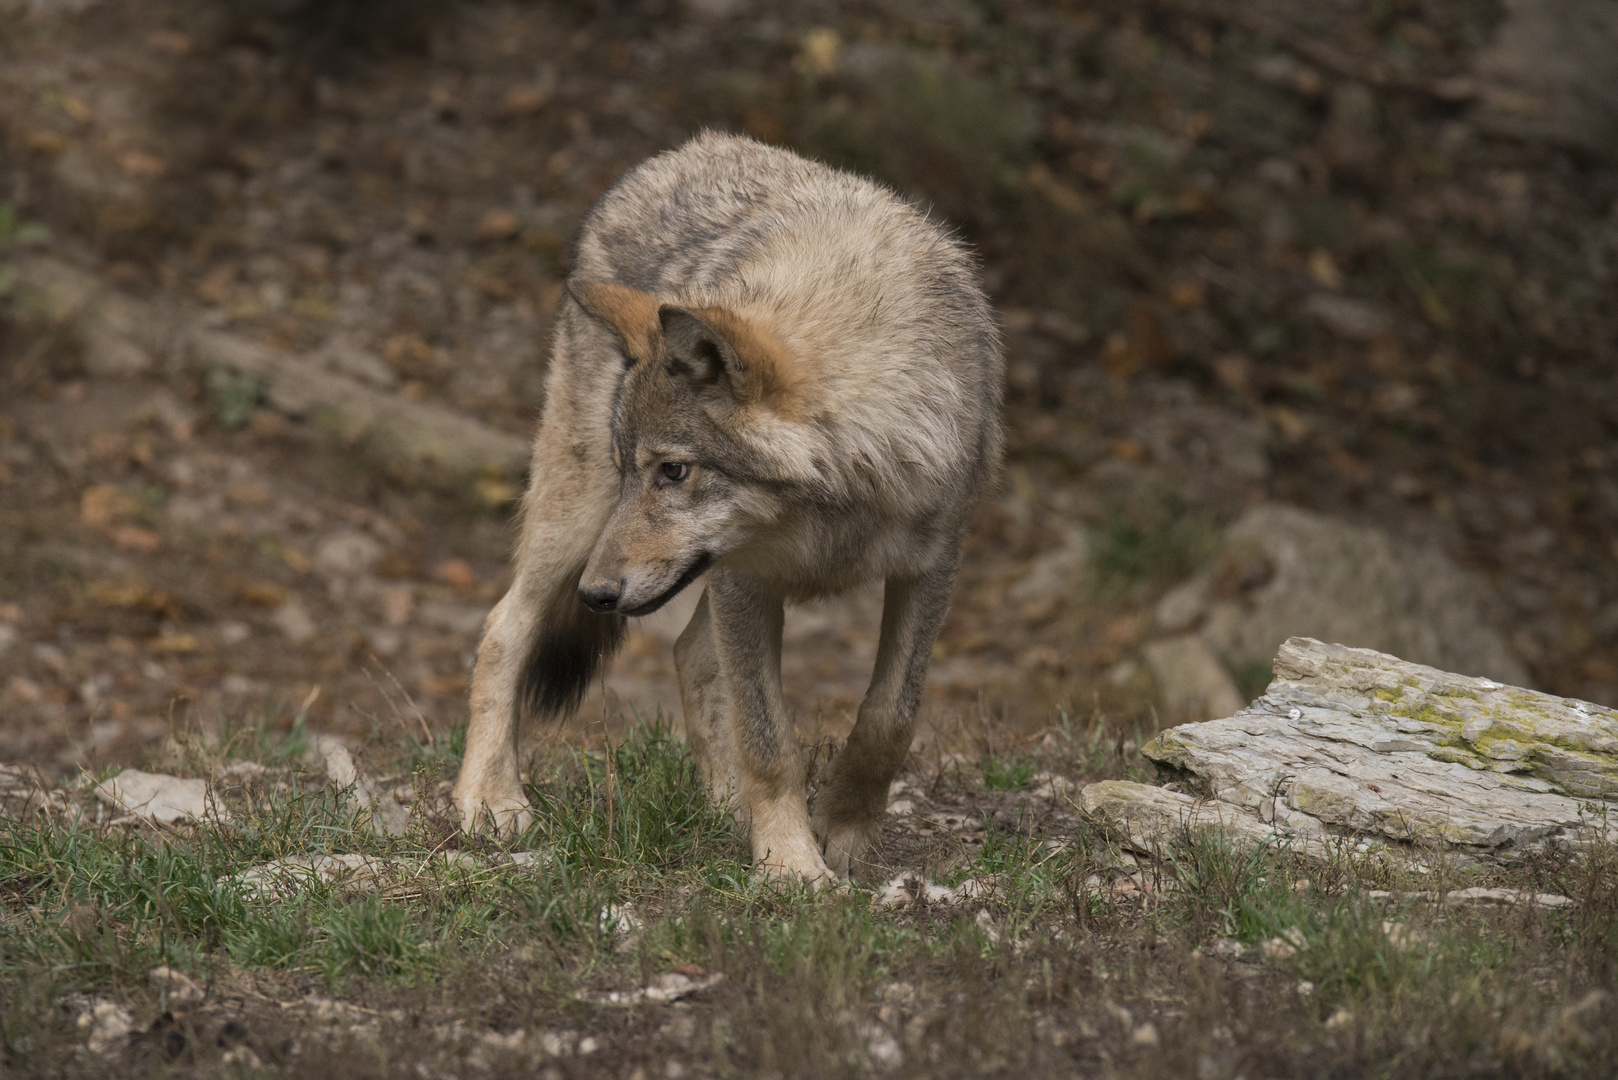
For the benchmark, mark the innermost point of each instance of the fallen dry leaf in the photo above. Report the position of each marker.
(134, 538)
(445, 685)
(456, 573)
(525, 100)
(175, 643)
(261, 593)
(25, 689)
(127, 592)
(102, 504)
(141, 165)
(1188, 294)
(498, 225)
(169, 41)
(47, 143)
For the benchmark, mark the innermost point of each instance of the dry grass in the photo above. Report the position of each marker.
(1204, 961)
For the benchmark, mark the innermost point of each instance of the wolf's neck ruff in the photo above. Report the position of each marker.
(794, 390)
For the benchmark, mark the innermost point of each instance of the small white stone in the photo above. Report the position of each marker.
(107, 1025)
(179, 990)
(1276, 949)
(884, 1051)
(158, 796)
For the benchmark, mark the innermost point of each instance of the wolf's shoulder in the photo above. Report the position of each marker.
(691, 219)
(722, 164)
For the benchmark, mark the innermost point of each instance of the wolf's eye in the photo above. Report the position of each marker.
(674, 472)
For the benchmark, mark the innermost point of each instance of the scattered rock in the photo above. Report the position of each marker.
(912, 888)
(1354, 745)
(117, 336)
(294, 620)
(1206, 453)
(334, 1013)
(346, 553)
(340, 769)
(1191, 683)
(244, 1056)
(1277, 949)
(106, 1025)
(159, 797)
(1551, 74)
(1047, 785)
(1478, 897)
(23, 791)
(348, 357)
(1402, 936)
(178, 989)
(672, 986)
(622, 923)
(1283, 572)
(412, 432)
(1053, 575)
(522, 1045)
(287, 877)
(882, 1048)
(1149, 818)
(388, 815)
(1346, 317)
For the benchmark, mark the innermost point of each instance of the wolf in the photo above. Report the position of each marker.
(782, 376)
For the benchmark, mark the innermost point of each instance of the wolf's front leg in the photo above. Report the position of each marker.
(707, 716)
(488, 785)
(747, 619)
(850, 803)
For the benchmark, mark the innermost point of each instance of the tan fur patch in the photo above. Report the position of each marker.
(630, 312)
(774, 378)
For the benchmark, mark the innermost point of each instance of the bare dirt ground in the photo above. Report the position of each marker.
(1237, 259)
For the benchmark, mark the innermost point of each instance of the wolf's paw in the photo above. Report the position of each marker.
(507, 813)
(814, 876)
(793, 858)
(845, 847)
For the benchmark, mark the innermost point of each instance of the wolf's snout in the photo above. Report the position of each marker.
(601, 597)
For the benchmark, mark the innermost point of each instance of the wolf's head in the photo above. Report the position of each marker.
(701, 388)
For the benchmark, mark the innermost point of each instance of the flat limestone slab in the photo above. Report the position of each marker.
(1354, 743)
(1151, 817)
(158, 796)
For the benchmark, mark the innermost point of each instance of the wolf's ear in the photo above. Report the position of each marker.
(716, 349)
(629, 313)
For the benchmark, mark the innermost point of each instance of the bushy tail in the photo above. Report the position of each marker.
(569, 644)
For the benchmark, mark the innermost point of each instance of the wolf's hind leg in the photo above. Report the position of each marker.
(852, 799)
(747, 619)
(702, 699)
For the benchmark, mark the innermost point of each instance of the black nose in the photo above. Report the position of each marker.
(602, 598)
